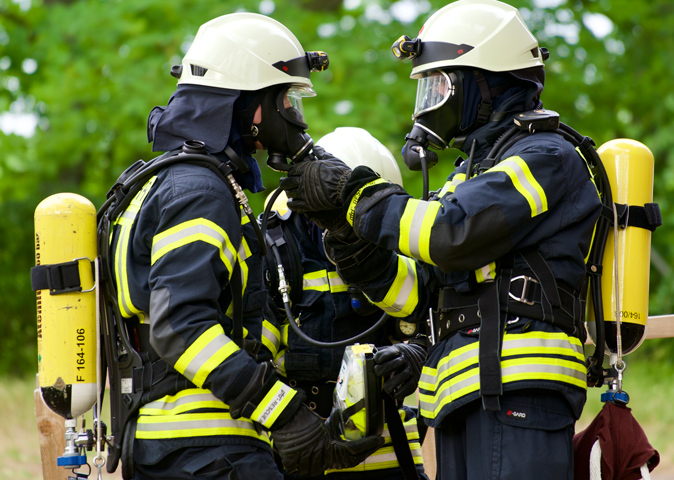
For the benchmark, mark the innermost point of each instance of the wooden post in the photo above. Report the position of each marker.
(428, 453)
(51, 431)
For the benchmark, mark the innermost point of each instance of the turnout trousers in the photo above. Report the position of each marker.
(222, 462)
(529, 438)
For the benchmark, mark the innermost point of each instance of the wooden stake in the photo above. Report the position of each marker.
(51, 432)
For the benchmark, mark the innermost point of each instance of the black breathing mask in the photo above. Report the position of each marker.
(437, 117)
(282, 128)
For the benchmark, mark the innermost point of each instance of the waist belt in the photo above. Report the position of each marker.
(535, 295)
(523, 298)
(319, 395)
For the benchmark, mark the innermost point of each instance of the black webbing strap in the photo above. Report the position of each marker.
(353, 409)
(401, 446)
(57, 278)
(647, 217)
(491, 386)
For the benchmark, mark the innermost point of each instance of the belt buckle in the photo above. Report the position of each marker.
(522, 298)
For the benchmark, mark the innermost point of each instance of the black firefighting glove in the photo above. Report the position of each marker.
(316, 185)
(401, 363)
(309, 445)
(357, 260)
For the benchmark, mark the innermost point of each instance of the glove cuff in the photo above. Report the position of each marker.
(266, 400)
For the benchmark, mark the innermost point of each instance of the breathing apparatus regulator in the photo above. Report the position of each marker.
(355, 147)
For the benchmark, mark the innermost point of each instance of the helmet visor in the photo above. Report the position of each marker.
(433, 90)
(292, 109)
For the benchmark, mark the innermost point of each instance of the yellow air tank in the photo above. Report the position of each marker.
(629, 166)
(65, 230)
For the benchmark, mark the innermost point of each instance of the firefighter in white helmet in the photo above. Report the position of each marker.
(186, 270)
(333, 311)
(499, 249)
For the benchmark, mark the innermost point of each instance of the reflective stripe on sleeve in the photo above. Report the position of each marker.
(317, 280)
(271, 337)
(354, 200)
(192, 231)
(449, 187)
(125, 221)
(211, 349)
(415, 228)
(525, 183)
(273, 404)
(402, 297)
(337, 285)
(486, 273)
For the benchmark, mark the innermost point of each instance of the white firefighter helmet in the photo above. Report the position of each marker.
(355, 147)
(485, 34)
(248, 51)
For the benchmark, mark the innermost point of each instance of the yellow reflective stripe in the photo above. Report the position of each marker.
(199, 229)
(195, 425)
(415, 228)
(544, 368)
(280, 362)
(316, 281)
(351, 212)
(486, 273)
(525, 183)
(337, 285)
(403, 297)
(125, 221)
(183, 401)
(532, 367)
(271, 337)
(449, 187)
(536, 343)
(205, 354)
(273, 404)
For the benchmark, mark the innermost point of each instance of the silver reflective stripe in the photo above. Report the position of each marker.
(210, 424)
(415, 228)
(205, 355)
(182, 401)
(194, 230)
(524, 181)
(308, 283)
(405, 289)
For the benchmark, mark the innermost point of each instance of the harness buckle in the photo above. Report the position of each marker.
(525, 289)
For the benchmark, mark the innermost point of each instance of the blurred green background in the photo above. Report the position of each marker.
(78, 79)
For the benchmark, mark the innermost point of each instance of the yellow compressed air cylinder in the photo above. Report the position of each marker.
(629, 166)
(65, 230)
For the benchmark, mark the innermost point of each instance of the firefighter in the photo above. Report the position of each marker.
(181, 247)
(329, 310)
(499, 249)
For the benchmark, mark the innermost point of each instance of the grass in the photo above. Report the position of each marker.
(649, 384)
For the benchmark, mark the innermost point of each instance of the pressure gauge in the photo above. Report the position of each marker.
(407, 329)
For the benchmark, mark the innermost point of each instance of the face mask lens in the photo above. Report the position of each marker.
(433, 91)
(292, 103)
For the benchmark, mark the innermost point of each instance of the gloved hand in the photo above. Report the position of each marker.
(308, 445)
(357, 260)
(402, 362)
(328, 219)
(316, 185)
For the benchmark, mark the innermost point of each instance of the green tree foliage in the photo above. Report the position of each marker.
(89, 71)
